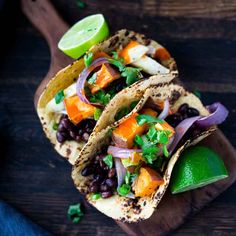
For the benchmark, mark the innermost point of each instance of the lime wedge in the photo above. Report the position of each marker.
(198, 166)
(83, 35)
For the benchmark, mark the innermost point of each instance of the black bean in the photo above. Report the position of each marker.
(97, 177)
(67, 124)
(106, 194)
(104, 188)
(110, 183)
(85, 137)
(174, 119)
(192, 112)
(80, 132)
(102, 164)
(63, 116)
(111, 173)
(183, 108)
(89, 130)
(78, 138)
(72, 134)
(94, 187)
(88, 170)
(61, 137)
(61, 127)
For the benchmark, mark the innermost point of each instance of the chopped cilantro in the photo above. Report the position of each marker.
(130, 177)
(96, 196)
(55, 126)
(118, 63)
(131, 74)
(115, 55)
(108, 160)
(127, 177)
(59, 97)
(162, 137)
(138, 140)
(88, 58)
(152, 133)
(124, 189)
(92, 79)
(97, 113)
(165, 151)
(80, 4)
(142, 119)
(100, 97)
(75, 213)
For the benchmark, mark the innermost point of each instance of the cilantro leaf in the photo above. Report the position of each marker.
(132, 75)
(152, 134)
(59, 97)
(127, 177)
(88, 58)
(142, 119)
(97, 113)
(165, 151)
(115, 55)
(108, 160)
(75, 213)
(162, 137)
(118, 63)
(55, 126)
(96, 196)
(101, 97)
(124, 189)
(92, 79)
(138, 140)
(130, 177)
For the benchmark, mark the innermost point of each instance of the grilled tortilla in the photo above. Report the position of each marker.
(122, 208)
(67, 76)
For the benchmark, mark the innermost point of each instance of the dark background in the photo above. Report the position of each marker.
(33, 178)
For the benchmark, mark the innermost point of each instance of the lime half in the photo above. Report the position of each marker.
(198, 166)
(83, 35)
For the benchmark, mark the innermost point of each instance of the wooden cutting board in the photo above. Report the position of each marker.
(173, 209)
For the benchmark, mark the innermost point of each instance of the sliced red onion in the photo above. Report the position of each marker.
(180, 130)
(165, 110)
(120, 171)
(84, 75)
(217, 116)
(121, 152)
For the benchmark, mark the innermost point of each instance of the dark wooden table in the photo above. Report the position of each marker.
(33, 178)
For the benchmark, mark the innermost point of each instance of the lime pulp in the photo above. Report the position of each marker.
(83, 35)
(198, 166)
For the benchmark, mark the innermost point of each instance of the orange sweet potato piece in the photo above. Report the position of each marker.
(124, 134)
(78, 110)
(104, 77)
(147, 182)
(124, 53)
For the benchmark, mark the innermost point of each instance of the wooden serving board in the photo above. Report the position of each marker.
(173, 209)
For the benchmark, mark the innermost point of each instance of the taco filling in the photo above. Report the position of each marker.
(79, 106)
(133, 163)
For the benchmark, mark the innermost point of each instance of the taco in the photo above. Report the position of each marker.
(124, 170)
(75, 98)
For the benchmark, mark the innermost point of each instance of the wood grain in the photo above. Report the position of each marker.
(32, 176)
(44, 17)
